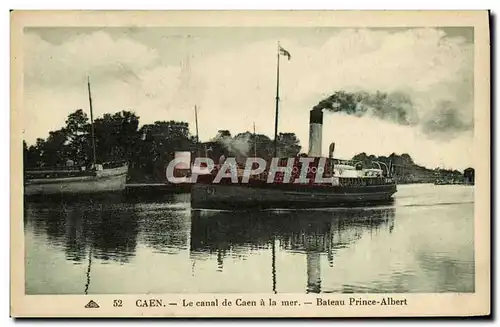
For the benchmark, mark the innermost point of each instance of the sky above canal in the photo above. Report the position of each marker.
(230, 74)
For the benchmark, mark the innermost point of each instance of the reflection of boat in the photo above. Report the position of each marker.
(77, 180)
(86, 233)
(221, 230)
(314, 233)
(108, 231)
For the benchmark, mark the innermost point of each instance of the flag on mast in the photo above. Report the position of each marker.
(284, 52)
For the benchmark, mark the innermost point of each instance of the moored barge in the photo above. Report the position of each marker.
(74, 181)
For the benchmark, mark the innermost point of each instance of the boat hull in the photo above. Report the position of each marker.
(238, 196)
(107, 180)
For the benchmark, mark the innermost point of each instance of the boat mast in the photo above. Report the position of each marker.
(92, 124)
(196, 123)
(254, 142)
(277, 103)
(197, 135)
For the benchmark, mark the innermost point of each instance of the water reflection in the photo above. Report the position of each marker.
(82, 246)
(313, 233)
(108, 231)
(165, 231)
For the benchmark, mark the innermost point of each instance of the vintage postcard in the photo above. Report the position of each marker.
(250, 163)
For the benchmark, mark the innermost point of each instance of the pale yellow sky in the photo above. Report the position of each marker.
(230, 74)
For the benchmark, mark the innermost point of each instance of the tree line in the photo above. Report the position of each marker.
(405, 170)
(147, 149)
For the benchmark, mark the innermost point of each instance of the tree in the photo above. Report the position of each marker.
(55, 151)
(77, 133)
(265, 146)
(25, 154)
(116, 136)
(157, 144)
(35, 153)
(469, 175)
(288, 145)
(405, 157)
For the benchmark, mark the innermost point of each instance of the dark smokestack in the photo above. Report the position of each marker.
(331, 150)
(315, 132)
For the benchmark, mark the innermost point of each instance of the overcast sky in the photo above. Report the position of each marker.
(230, 74)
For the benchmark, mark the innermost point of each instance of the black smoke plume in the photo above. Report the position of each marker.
(396, 107)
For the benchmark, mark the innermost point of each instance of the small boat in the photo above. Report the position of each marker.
(71, 180)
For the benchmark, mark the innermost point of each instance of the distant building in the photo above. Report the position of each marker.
(469, 175)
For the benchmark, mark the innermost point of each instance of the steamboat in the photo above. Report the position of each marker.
(345, 183)
(332, 184)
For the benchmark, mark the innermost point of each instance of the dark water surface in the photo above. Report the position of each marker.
(424, 242)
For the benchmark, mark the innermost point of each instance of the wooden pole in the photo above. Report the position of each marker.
(254, 142)
(277, 103)
(196, 122)
(197, 134)
(92, 124)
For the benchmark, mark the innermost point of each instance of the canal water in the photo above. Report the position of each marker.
(424, 242)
